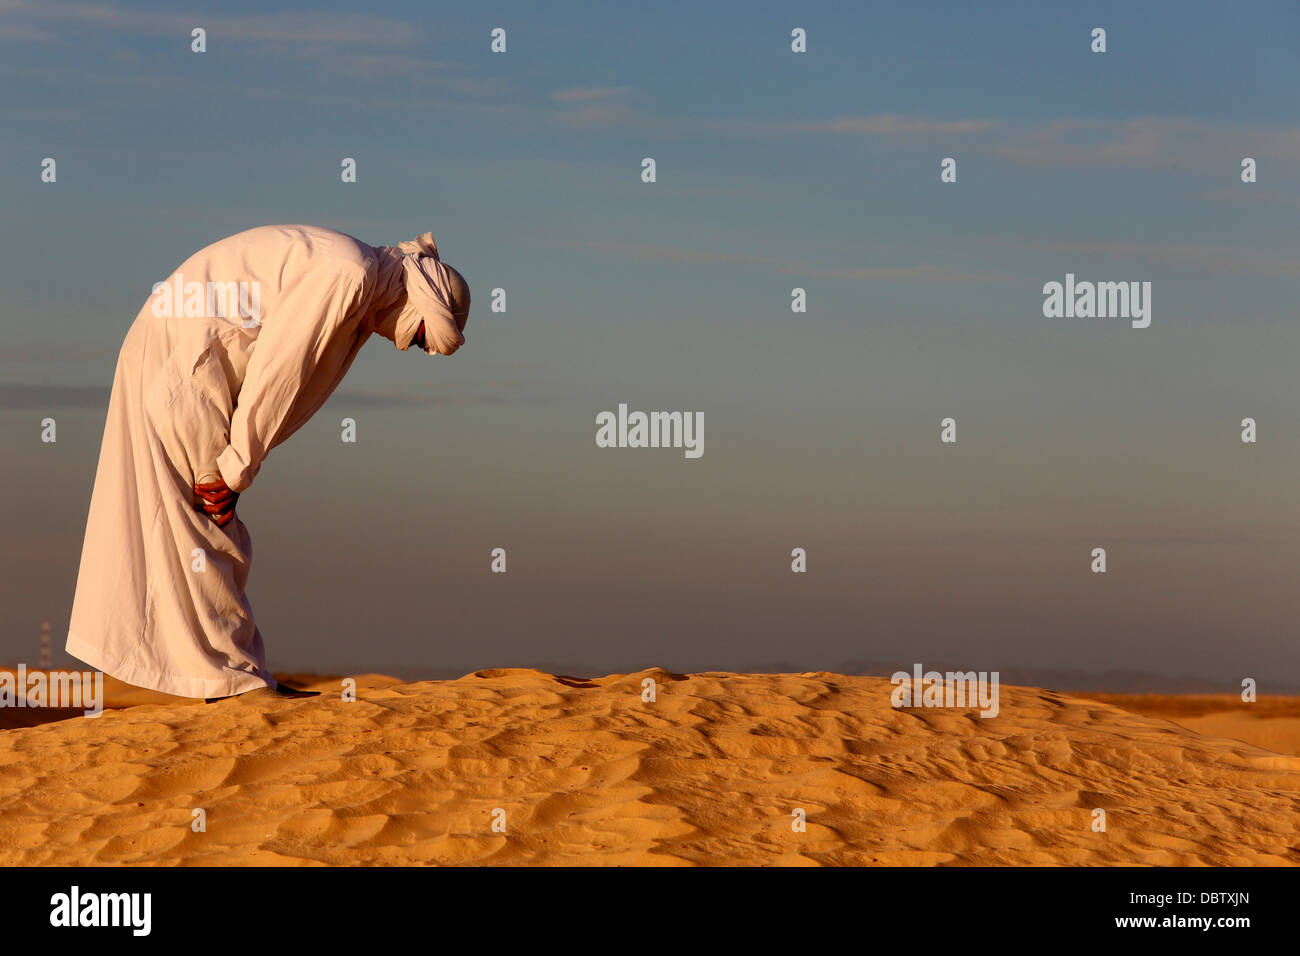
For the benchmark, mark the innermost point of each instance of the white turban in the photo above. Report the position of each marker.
(430, 290)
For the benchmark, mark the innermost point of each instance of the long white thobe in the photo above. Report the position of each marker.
(160, 597)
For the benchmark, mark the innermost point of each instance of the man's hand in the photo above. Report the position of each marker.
(218, 500)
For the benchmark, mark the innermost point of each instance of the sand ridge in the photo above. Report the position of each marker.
(587, 772)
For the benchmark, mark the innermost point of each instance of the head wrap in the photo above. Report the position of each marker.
(431, 298)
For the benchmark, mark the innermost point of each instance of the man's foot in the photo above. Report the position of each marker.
(281, 690)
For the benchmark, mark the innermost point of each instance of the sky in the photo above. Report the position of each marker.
(775, 170)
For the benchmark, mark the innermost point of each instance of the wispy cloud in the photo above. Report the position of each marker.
(23, 353)
(1202, 260)
(19, 396)
(18, 31)
(600, 106)
(386, 398)
(363, 47)
(589, 94)
(1252, 195)
(1147, 141)
(307, 27)
(881, 124)
(1135, 142)
(923, 273)
(53, 396)
(624, 106)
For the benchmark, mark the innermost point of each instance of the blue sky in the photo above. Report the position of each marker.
(775, 170)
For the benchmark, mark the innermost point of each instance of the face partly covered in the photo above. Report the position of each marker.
(453, 303)
(460, 298)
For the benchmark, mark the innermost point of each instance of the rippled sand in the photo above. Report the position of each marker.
(587, 772)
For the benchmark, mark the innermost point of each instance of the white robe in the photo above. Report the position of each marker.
(196, 395)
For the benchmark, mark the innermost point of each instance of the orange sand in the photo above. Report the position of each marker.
(586, 772)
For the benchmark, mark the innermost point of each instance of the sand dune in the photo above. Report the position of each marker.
(1271, 722)
(586, 772)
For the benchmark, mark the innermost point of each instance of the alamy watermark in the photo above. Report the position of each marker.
(75, 908)
(951, 689)
(626, 429)
(67, 690)
(1102, 300)
(224, 300)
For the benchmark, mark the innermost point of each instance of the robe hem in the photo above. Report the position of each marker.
(150, 679)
